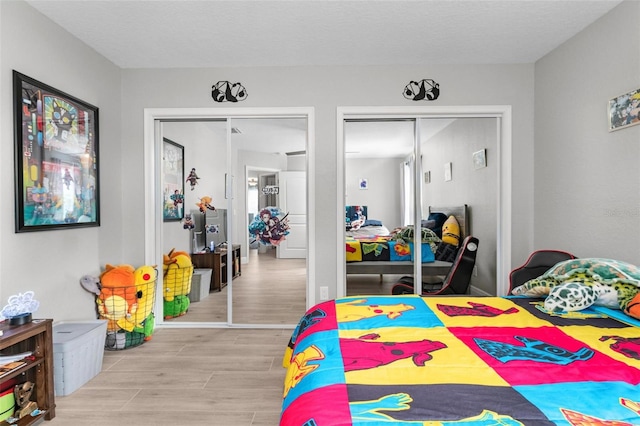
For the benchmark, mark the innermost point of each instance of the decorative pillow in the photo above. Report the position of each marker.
(439, 219)
(451, 231)
(602, 276)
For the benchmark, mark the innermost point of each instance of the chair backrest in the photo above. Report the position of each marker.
(459, 276)
(538, 263)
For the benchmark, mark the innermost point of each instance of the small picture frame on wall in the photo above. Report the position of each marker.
(364, 184)
(447, 172)
(172, 181)
(624, 110)
(56, 158)
(480, 159)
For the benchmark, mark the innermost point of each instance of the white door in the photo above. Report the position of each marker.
(293, 201)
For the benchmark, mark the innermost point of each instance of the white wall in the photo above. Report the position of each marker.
(587, 180)
(52, 262)
(383, 195)
(332, 87)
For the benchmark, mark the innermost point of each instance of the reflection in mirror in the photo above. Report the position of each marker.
(205, 153)
(271, 227)
(378, 201)
(267, 284)
(448, 147)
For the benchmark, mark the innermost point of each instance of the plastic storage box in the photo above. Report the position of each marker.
(200, 283)
(78, 350)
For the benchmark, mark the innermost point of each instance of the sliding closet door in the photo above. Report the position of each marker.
(379, 189)
(269, 155)
(452, 148)
(204, 147)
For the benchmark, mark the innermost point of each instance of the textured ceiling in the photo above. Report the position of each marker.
(209, 33)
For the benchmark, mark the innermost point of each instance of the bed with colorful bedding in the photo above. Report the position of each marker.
(394, 253)
(411, 360)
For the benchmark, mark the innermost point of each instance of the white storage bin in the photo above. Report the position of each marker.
(200, 283)
(78, 349)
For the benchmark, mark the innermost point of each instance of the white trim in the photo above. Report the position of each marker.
(153, 210)
(501, 112)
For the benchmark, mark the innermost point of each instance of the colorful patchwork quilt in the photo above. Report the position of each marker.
(384, 249)
(411, 360)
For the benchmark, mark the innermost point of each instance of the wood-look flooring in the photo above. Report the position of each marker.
(269, 291)
(207, 376)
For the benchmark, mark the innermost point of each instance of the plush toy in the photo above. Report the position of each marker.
(451, 231)
(91, 284)
(177, 272)
(143, 320)
(118, 298)
(576, 284)
(176, 307)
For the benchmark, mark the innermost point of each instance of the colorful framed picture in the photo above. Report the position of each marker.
(56, 158)
(172, 180)
(624, 110)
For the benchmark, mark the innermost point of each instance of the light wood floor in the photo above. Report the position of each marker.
(269, 291)
(212, 376)
(207, 376)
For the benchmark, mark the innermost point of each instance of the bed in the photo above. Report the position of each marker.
(411, 360)
(377, 254)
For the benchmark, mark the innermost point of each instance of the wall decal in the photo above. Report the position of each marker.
(423, 90)
(225, 91)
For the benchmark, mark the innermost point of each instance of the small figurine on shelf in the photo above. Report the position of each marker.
(24, 405)
(193, 178)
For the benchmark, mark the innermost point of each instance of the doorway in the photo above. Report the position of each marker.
(232, 199)
(502, 156)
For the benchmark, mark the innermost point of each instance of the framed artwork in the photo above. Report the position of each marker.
(56, 158)
(447, 172)
(480, 159)
(172, 180)
(624, 110)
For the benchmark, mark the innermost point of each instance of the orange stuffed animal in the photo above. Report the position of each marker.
(118, 299)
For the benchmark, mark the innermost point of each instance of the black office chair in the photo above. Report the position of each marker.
(457, 279)
(539, 262)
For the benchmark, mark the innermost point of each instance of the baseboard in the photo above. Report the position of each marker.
(475, 291)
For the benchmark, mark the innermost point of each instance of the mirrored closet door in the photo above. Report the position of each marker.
(241, 216)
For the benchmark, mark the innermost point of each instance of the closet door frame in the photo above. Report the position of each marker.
(500, 112)
(153, 118)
